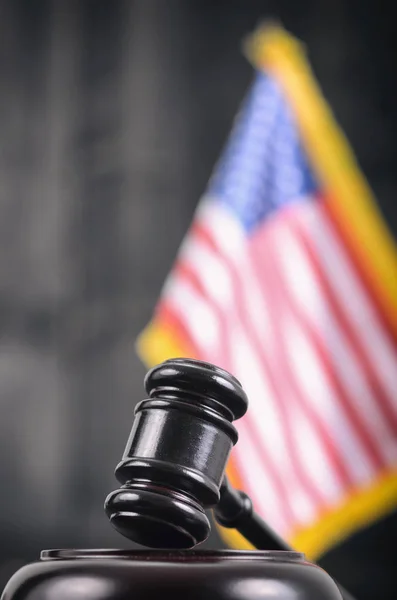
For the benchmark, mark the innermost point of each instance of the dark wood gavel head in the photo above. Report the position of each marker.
(176, 455)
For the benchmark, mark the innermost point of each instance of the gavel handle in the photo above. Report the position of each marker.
(235, 511)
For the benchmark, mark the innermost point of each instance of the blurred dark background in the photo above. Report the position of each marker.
(112, 116)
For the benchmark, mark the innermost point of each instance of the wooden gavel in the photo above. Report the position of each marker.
(174, 462)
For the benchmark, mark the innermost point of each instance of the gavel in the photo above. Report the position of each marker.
(172, 471)
(174, 462)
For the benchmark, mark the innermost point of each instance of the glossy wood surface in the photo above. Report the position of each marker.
(150, 575)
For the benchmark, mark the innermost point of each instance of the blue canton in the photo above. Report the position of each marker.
(264, 166)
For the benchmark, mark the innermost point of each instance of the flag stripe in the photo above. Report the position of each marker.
(379, 401)
(240, 290)
(247, 369)
(219, 229)
(256, 483)
(199, 320)
(185, 271)
(293, 281)
(299, 394)
(368, 263)
(334, 256)
(345, 281)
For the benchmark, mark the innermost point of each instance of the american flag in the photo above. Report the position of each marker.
(265, 286)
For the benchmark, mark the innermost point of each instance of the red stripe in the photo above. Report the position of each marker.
(334, 381)
(316, 495)
(373, 381)
(361, 271)
(185, 272)
(259, 501)
(260, 259)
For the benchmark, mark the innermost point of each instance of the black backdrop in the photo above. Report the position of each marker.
(112, 115)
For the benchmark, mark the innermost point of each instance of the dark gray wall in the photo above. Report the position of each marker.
(112, 115)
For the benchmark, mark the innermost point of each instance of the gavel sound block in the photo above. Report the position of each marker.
(171, 472)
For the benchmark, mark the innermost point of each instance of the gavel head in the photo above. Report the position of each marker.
(175, 457)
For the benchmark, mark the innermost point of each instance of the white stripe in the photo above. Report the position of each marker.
(249, 373)
(196, 314)
(353, 296)
(314, 305)
(230, 233)
(311, 451)
(232, 242)
(181, 297)
(216, 281)
(257, 483)
(248, 370)
(209, 268)
(311, 448)
(324, 403)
